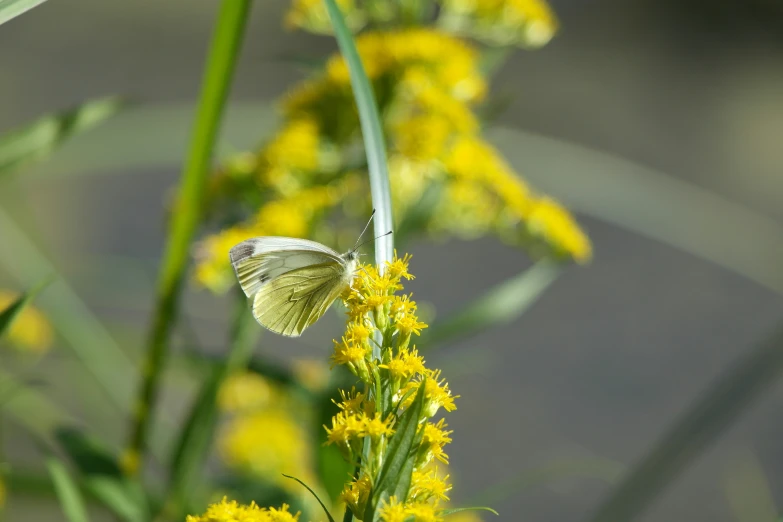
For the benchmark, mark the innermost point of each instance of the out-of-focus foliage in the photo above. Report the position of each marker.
(309, 180)
(30, 331)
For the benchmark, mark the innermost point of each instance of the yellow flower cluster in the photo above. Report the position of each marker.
(311, 15)
(231, 511)
(527, 23)
(261, 437)
(30, 332)
(379, 316)
(427, 85)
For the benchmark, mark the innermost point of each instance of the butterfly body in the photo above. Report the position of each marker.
(292, 281)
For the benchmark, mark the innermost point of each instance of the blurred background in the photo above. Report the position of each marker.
(658, 122)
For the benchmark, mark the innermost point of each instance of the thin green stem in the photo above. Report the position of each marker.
(187, 213)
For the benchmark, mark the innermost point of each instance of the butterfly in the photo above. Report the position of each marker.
(292, 282)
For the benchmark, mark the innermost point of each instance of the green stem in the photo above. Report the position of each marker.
(187, 211)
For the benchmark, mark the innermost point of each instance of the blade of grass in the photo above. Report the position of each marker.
(649, 203)
(221, 62)
(67, 491)
(374, 144)
(501, 304)
(10, 9)
(686, 438)
(40, 138)
(89, 340)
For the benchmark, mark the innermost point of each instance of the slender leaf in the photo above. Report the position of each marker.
(650, 203)
(451, 511)
(8, 315)
(71, 318)
(40, 138)
(394, 478)
(501, 304)
(196, 436)
(10, 9)
(218, 72)
(103, 478)
(328, 515)
(374, 144)
(729, 396)
(67, 492)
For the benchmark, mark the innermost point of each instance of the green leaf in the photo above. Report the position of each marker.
(446, 512)
(38, 139)
(196, 436)
(8, 315)
(501, 304)
(103, 478)
(629, 196)
(686, 438)
(394, 478)
(328, 515)
(333, 470)
(374, 144)
(10, 9)
(67, 492)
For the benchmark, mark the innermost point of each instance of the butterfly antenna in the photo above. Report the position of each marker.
(371, 240)
(357, 245)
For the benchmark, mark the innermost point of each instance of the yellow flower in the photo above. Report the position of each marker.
(244, 391)
(356, 492)
(311, 15)
(30, 332)
(398, 268)
(226, 511)
(434, 438)
(427, 485)
(393, 511)
(266, 443)
(409, 324)
(555, 224)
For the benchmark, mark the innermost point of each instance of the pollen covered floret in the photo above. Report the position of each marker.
(231, 511)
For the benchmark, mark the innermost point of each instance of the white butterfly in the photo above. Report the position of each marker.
(292, 281)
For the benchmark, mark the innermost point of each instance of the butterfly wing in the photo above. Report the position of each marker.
(291, 302)
(260, 260)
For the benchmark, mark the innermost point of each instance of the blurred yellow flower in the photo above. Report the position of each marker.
(311, 15)
(30, 331)
(231, 511)
(244, 391)
(527, 23)
(267, 443)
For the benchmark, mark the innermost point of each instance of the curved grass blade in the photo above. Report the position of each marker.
(67, 491)
(451, 511)
(38, 139)
(650, 203)
(374, 144)
(686, 438)
(501, 304)
(8, 315)
(10, 9)
(328, 515)
(71, 318)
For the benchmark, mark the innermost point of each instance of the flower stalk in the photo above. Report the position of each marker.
(187, 214)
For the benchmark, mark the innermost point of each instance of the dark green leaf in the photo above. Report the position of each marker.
(333, 470)
(8, 315)
(501, 304)
(328, 515)
(729, 396)
(102, 477)
(374, 144)
(67, 492)
(446, 512)
(40, 138)
(394, 479)
(10, 9)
